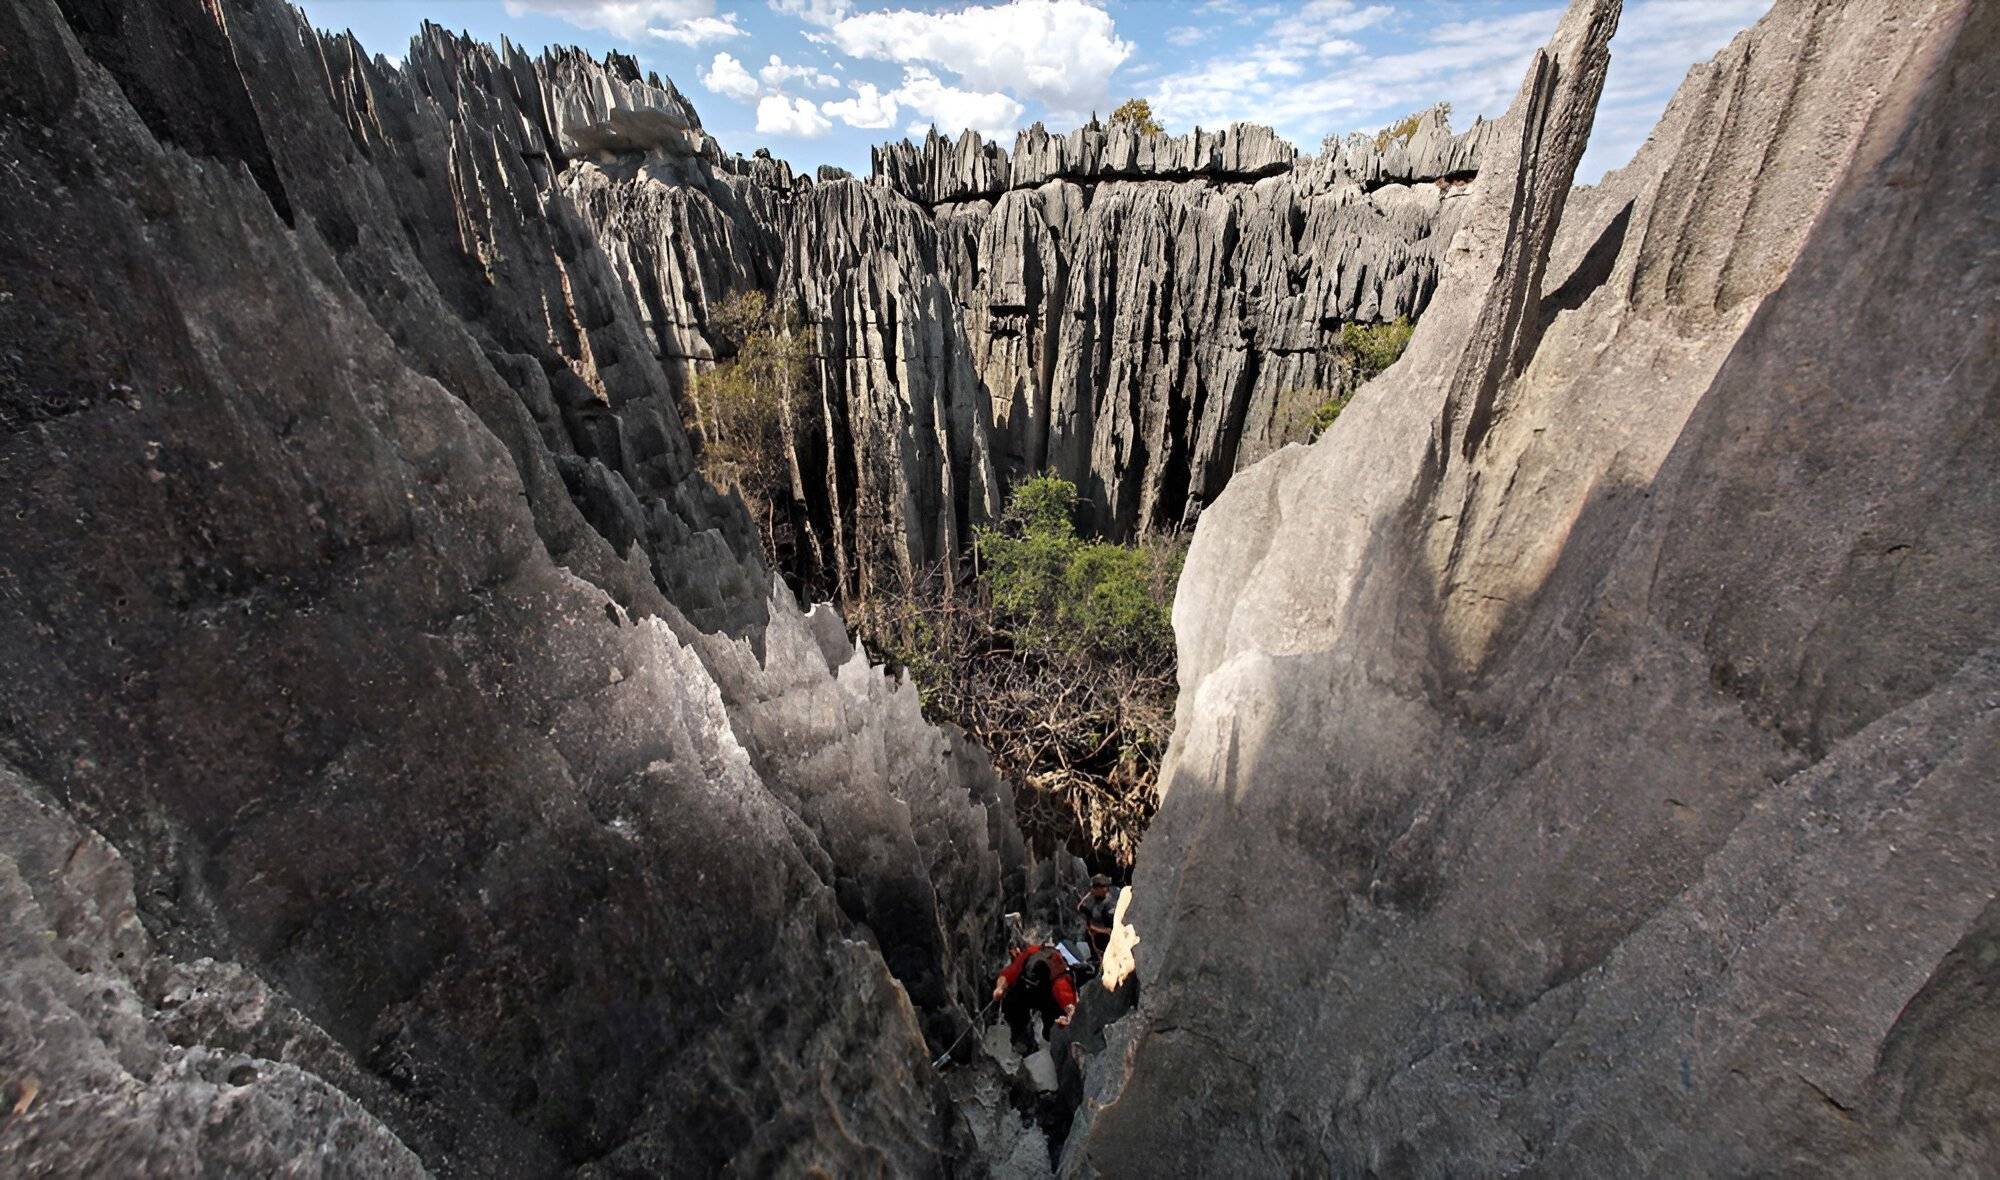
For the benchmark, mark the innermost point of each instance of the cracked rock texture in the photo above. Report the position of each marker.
(486, 810)
(1585, 761)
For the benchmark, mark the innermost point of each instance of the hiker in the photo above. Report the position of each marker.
(1037, 981)
(1099, 911)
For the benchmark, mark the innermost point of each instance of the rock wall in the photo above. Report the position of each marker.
(407, 763)
(1142, 315)
(1585, 752)
(486, 810)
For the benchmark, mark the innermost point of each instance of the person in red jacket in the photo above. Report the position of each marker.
(1037, 981)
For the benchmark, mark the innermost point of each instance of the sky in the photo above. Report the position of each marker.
(822, 81)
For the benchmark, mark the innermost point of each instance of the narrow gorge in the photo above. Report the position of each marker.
(411, 762)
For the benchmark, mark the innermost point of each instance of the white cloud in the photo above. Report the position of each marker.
(777, 73)
(1474, 65)
(824, 13)
(1321, 17)
(990, 113)
(1186, 35)
(1307, 84)
(868, 108)
(1239, 13)
(700, 31)
(1058, 52)
(626, 18)
(727, 77)
(1308, 30)
(779, 115)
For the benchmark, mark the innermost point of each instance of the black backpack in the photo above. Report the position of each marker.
(1042, 969)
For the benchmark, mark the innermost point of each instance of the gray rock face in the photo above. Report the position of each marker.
(1147, 314)
(486, 811)
(944, 171)
(156, 1066)
(1142, 315)
(1585, 753)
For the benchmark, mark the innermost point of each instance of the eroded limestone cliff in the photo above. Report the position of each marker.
(485, 809)
(1140, 315)
(1586, 750)
(407, 763)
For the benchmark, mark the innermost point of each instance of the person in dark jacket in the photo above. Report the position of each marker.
(1036, 982)
(1099, 911)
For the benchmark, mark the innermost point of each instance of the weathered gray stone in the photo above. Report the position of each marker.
(360, 588)
(1585, 750)
(1140, 314)
(121, 1061)
(1148, 314)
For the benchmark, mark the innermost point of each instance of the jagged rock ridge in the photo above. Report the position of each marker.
(1585, 753)
(485, 809)
(1141, 315)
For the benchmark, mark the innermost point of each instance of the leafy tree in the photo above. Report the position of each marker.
(1058, 657)
(747, 407)
(1137, 114)
(1371, 348)
(1056, 589)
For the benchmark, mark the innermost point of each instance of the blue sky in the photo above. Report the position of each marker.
(820, 81)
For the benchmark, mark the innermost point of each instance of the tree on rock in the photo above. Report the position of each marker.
(1137, 114)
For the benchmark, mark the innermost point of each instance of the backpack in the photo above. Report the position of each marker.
(1042, 969)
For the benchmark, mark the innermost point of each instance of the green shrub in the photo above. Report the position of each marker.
(1365, 350)
(1057, 656)
(1046, 503)
(1055, 589)
(748, 410)
(1371, 348)
(1327, 411)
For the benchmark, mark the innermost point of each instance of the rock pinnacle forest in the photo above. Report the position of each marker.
(534, 645)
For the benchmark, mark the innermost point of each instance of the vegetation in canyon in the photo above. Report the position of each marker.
(747, 412)
(1053, 649)
(1055, 652)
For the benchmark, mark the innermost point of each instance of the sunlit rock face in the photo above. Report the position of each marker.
(408, 763)
(1142, 315)
(1585, 752)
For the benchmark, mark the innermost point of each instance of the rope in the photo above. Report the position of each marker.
(945, 1058)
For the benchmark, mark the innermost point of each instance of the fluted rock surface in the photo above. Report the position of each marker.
(1585, 755)
(1140, 314)
(486, 810)
(1146, 314)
